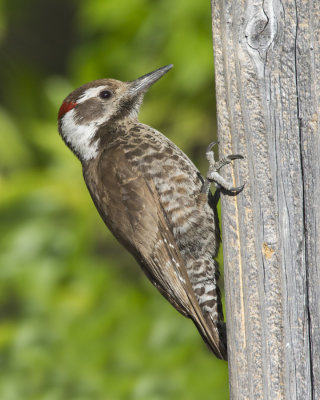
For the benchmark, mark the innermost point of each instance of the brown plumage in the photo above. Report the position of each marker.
(150, 196)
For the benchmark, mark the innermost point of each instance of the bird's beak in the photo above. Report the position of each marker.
(142, 84)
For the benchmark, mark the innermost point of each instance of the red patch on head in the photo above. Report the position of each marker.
(66, 106)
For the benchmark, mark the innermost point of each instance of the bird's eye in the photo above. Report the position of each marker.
(105, 94)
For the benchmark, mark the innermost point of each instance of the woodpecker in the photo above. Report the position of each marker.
(151, 196)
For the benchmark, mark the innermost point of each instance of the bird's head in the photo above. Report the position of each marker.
(98, 103)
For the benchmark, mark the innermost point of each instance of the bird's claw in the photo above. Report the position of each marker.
(213, 175)
(236, 189)
(211, 145)
(235, 157)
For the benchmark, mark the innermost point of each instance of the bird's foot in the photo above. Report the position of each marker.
(213, 175)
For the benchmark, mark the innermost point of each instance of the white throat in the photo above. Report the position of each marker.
(79, 137)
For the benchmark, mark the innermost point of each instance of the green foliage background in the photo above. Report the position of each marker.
(78, 319)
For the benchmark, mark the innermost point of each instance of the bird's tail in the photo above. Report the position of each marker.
(214, 335)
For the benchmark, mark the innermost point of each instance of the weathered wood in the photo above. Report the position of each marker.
(267, 65)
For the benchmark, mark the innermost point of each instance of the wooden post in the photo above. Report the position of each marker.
(267, 66)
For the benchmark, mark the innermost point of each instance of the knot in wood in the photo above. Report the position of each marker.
(259, 31)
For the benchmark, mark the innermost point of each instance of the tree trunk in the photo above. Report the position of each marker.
(267, 64)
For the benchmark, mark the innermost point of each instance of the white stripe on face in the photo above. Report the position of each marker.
(89, 93)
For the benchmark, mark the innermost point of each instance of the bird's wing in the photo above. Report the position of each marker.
(129, 204)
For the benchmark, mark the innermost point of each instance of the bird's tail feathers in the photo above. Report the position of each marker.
(214, 335)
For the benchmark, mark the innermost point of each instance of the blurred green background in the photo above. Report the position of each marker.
(78, 318)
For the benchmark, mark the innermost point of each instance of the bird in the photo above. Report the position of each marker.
(151, 196)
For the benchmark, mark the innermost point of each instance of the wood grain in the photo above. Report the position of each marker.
(267, 67)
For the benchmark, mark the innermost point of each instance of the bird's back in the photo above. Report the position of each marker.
(189, 213)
